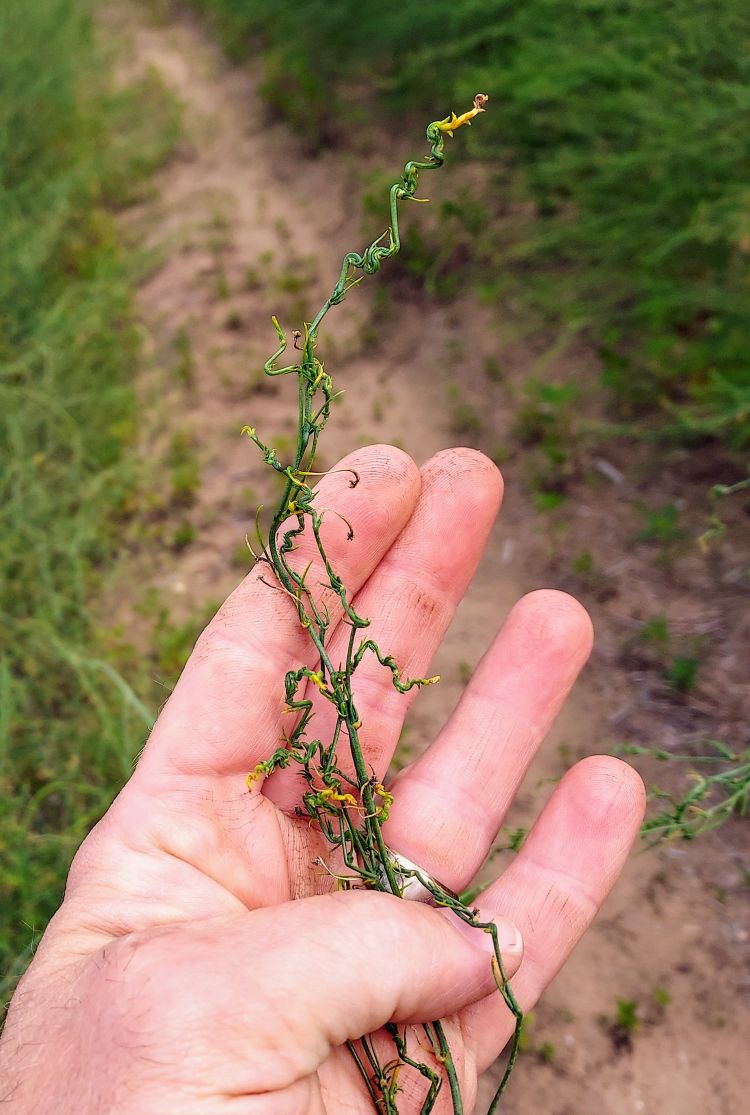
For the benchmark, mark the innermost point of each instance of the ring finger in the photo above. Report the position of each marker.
(450, 803)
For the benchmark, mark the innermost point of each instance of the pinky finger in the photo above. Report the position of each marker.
(554, 888)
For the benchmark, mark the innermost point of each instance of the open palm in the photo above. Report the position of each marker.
(178, 976)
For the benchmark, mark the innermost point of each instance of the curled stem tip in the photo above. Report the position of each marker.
(453, 122)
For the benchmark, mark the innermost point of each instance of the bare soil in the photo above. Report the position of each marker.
(246, 225)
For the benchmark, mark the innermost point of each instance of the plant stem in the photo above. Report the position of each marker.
(352, 824)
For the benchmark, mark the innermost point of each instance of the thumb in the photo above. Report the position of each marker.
(274, 990)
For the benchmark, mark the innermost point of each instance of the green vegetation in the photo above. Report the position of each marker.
(185, 366)
(661, 996)
(72, 151)
(662, 526)
(464, 419)
(677, 658)
(626, 1016)
(545, 1051)
(171, 641)
(185, 473)
(625, 1025)
(718, 789)
(625, 126)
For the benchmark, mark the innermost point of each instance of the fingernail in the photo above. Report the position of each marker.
(509, 939)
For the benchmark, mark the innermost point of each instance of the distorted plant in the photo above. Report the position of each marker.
(349, 810)
(716, 527)
(720, 790)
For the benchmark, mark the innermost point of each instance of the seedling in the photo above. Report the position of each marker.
(625, 1024)
(185, 366)
(252, 279)
(349, 810)
(464, 671)
(627, 1015)
(185, 473)
(545, 422)
(223, 290)
(661, 997)
(682, 673)
(493, 369)
(183, 535)
(662, 526)
(548, 500)
(464, 419)
(678, 658)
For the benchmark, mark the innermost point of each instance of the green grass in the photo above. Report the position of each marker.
(625, 124)
(72, 151)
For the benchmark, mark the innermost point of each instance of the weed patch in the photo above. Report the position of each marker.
(72, 151)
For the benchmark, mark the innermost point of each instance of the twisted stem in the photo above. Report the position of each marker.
(349, 812)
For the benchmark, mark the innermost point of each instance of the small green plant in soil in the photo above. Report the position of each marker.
(182, 536)
(185, 472)
(677, 658)
(349, 811)
(464, 418)
(662, 526)
(682, 672)
(184, 367)
(544, 425)
(625, 1025)
(493, 369)
(590, 576)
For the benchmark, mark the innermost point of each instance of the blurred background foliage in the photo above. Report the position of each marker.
(611, 200)
(72, 152)
(623, 122)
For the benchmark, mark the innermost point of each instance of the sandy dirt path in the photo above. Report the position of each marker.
(245, 226)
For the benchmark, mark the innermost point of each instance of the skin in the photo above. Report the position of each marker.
(180, 976)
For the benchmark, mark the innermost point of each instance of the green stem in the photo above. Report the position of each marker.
(351, 827)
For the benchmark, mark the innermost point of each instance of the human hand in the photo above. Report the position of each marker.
(179, 975)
